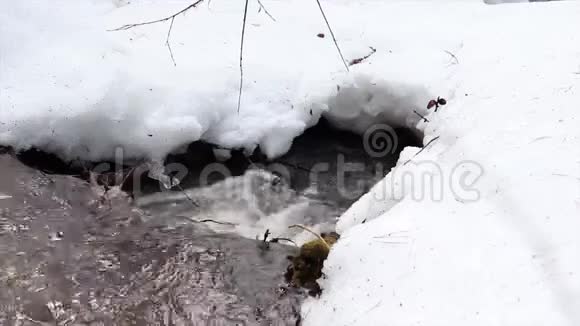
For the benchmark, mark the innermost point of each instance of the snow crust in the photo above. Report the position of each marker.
(496, 245)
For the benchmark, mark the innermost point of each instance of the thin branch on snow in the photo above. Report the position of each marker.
(332, 34)
(453, 56)
(129, 26)
(242, 55)
(365, 313)
(422, 149)
(359, 60)
(397, 237)
(167, 41)
(265, 10)
(566, 176)
(170, 18)
(395, 234)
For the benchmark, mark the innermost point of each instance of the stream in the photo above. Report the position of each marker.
(72, 254)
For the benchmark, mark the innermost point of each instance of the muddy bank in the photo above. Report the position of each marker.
(71, 256)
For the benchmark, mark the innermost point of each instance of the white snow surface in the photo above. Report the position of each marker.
(493, 241)
(500, 247)
(71, 86)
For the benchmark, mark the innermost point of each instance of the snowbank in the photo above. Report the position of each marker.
(492, 238)
(70, 86)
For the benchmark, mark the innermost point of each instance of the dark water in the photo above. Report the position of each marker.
(72, 255)
(274, 194)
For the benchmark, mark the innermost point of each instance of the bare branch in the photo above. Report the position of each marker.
(421, 116)
(332, 34)
(129, 26)
(207, 220)
(277, 240)
(186, 195)
(422, 149)
(213, 221)
(309, 230)
(359, 60)
(167, 41)
(171, 18)
(453, 56)
(242, 55)
(265, 10)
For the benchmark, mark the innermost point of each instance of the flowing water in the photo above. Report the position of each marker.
(71, 254)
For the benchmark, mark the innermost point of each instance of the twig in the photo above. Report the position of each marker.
(309, 230)
(213, 221)
(392, 242)
(277, 240)
(265, 244)
(359, 60)
(171, 18)
(129, 26)
(332, 34)
(167, 42)
(186, 195)
(127, 176)
(453, 56)
(396, 237)
(566, 176)
(266, 235)
(242, 55)
(265, 10)
(422, 117)
(365, 313)
(395, 234)
(205, 220)
(422, 149)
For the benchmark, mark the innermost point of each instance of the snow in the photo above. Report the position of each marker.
(71, 86)
(491, 241)
(504, 249)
